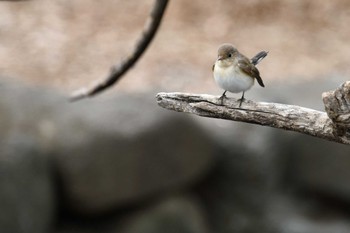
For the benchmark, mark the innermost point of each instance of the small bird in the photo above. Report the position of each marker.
(234, 72)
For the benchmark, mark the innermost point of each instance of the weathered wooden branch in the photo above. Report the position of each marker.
(333, 125)
(119, 70)
(337, 106)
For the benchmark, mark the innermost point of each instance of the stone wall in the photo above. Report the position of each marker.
(119, 163)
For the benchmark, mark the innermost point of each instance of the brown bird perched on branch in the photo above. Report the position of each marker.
(234, 72)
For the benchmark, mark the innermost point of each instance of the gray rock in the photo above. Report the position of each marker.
(237, 192)
(115, 151)
(304, 215)
(312, 164)
(174, 215)
(320, 166)
(258, 162)
(110, 151)
(126, 149)
(178, 214)
(26, 189)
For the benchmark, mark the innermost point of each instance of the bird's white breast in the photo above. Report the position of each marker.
(232, 79)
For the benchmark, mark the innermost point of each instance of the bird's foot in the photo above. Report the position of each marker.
(240, 101)
(222, 97)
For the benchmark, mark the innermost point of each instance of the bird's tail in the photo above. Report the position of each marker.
(258, 57)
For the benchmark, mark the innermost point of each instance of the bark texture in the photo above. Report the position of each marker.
(332, 125)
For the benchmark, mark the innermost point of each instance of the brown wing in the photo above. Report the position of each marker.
(248, 68)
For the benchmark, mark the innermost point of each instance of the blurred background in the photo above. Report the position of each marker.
(119, 163)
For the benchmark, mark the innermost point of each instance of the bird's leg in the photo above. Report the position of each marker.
(241, 100)
(222, 97)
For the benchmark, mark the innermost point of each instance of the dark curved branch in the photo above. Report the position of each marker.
(118, 71)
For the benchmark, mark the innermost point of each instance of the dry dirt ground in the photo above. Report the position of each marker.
(68, 44)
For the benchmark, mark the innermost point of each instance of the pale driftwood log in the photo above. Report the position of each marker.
(333, 125)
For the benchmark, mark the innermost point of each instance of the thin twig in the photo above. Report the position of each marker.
(118, 71)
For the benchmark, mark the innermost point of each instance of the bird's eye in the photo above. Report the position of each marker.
(229, 55)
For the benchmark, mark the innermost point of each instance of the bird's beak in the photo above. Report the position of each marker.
(220, 58)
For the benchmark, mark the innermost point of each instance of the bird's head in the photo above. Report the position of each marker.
(226, 54)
